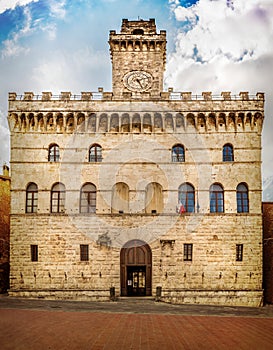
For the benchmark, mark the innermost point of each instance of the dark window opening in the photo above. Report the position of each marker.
(239, 252)
(84, 252)
(34, 252)
(188, 251)
(138, 31)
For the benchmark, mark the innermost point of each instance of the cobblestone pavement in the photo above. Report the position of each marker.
(131, 324)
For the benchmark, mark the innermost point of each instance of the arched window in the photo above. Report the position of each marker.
(216, 198)
(242, 198)
(186, 198)
(120, 198)
(31, 198)
(138, 31)
(154, 198)
(53, 153)
(95, 153)
(57, 199)
(178, 153)
(228, 155)
(88, 198)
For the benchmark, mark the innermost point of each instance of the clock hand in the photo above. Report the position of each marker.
(139, 82)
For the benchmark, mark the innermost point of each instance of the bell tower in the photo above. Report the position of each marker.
(138, 57)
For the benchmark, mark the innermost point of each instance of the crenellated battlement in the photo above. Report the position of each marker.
(170, 95)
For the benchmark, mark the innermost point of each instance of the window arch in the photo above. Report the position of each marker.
(186, 198)
(154, 198)
(53, 153)
(120, 198)
(57, 198)
(228, 155)
(242, 198)
(178, 153)
(31, 198)
(138, 31)
(216, 198)
(95, 153)
(88, 198)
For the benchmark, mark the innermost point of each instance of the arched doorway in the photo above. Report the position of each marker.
(136, 269)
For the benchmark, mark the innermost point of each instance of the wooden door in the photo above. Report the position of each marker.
(136, 268)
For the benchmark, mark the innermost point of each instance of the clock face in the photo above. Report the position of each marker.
(138, 81)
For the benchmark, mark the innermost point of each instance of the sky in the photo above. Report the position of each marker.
(62, 45)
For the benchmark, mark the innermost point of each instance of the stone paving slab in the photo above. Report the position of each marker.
(134, 305)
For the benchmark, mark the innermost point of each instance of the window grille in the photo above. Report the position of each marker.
(188, 247)
(84, 252)
(34, 252)
(239, 252)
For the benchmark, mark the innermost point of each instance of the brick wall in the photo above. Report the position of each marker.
(4, 231)
(268, 252)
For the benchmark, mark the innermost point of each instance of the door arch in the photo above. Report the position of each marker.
(136, 269)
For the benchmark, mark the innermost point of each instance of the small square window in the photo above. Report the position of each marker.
(84, 252)
(34, 252)
(239, 252)
(188, 252)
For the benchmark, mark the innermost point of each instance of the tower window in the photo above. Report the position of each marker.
(178, 153)
(95, 153)
(239, 252)
(53, 153)
(188, 251)
(84, 251)
(138, 31)
(228, 155)
(34, 252)
(31, 198)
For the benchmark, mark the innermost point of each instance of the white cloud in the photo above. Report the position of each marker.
(65, 70)
(57, 8)
(4, 135)
(11, 4)
(12, 47)
(226, 49)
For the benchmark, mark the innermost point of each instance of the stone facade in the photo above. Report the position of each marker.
(268, 251)
(4, 228)
(98, 187)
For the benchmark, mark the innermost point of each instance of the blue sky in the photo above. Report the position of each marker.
(62, 45)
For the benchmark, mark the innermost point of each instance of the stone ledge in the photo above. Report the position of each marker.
(230, 297)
